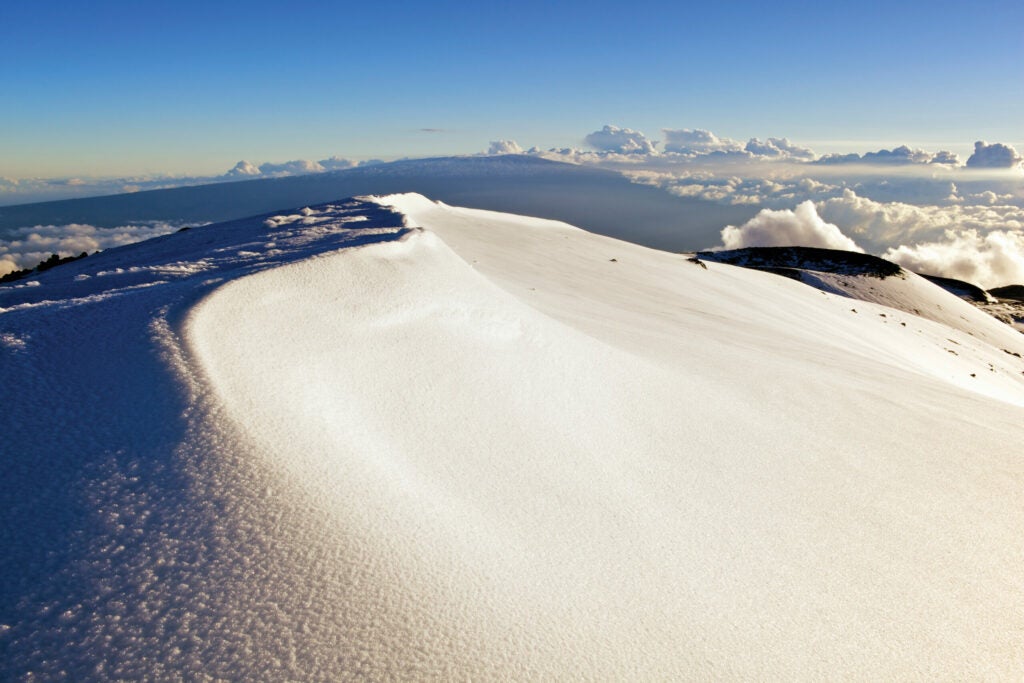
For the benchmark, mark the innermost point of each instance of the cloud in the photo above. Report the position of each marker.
(783, 228)
(26, 247)
(432, 130)
(946, 157)
(504, 147)
(897, 156)
(336, 163)
(987, 260)
(756, 186)
(778, 147)
(879, 225)
(246, 169)
(682, 146)
(697, 141)
(27, 190)
(9, 186)
(243, 169)
(620, 141)
(990, 198)
(996, 155)
(289, 168)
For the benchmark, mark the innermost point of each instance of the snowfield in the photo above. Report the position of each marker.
(388, 438)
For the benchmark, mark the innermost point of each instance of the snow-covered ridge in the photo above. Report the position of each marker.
(397, 439)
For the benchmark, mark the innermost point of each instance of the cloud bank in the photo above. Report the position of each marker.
(980, 244)
(26, 247)
(901, 155)
(801, 227)
(244, 170)
(988, 260)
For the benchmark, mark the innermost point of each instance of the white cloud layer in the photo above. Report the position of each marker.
(620, 141)
(989, 260)
(981, 243)
(26, 247)
(784, 228)
(885, 224)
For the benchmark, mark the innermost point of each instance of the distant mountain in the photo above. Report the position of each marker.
(598, 200)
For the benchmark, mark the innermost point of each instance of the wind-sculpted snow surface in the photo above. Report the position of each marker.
(404, 440)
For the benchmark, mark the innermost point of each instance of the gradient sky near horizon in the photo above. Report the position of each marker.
(114, 87)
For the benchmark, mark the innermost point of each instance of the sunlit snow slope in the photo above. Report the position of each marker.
(396, 439)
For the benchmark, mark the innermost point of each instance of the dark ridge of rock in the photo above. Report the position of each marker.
(1015, 292)
(964, 290)
(52, 262)
(776, 259)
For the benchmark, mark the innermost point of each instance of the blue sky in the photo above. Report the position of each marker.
(114, 88)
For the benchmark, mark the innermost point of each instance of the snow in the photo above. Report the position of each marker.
(397, 439)
(912, 293)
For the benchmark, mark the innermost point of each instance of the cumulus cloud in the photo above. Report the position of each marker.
(504, 147)
(996, 155)
(243, 169)
(989, 260)
(620, 141)
(697, 141)
(783, 228)
(26, 247)
(778, 147)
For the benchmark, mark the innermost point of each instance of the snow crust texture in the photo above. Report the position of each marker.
(390, 438)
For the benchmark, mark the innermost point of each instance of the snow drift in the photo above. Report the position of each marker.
(392, 438)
